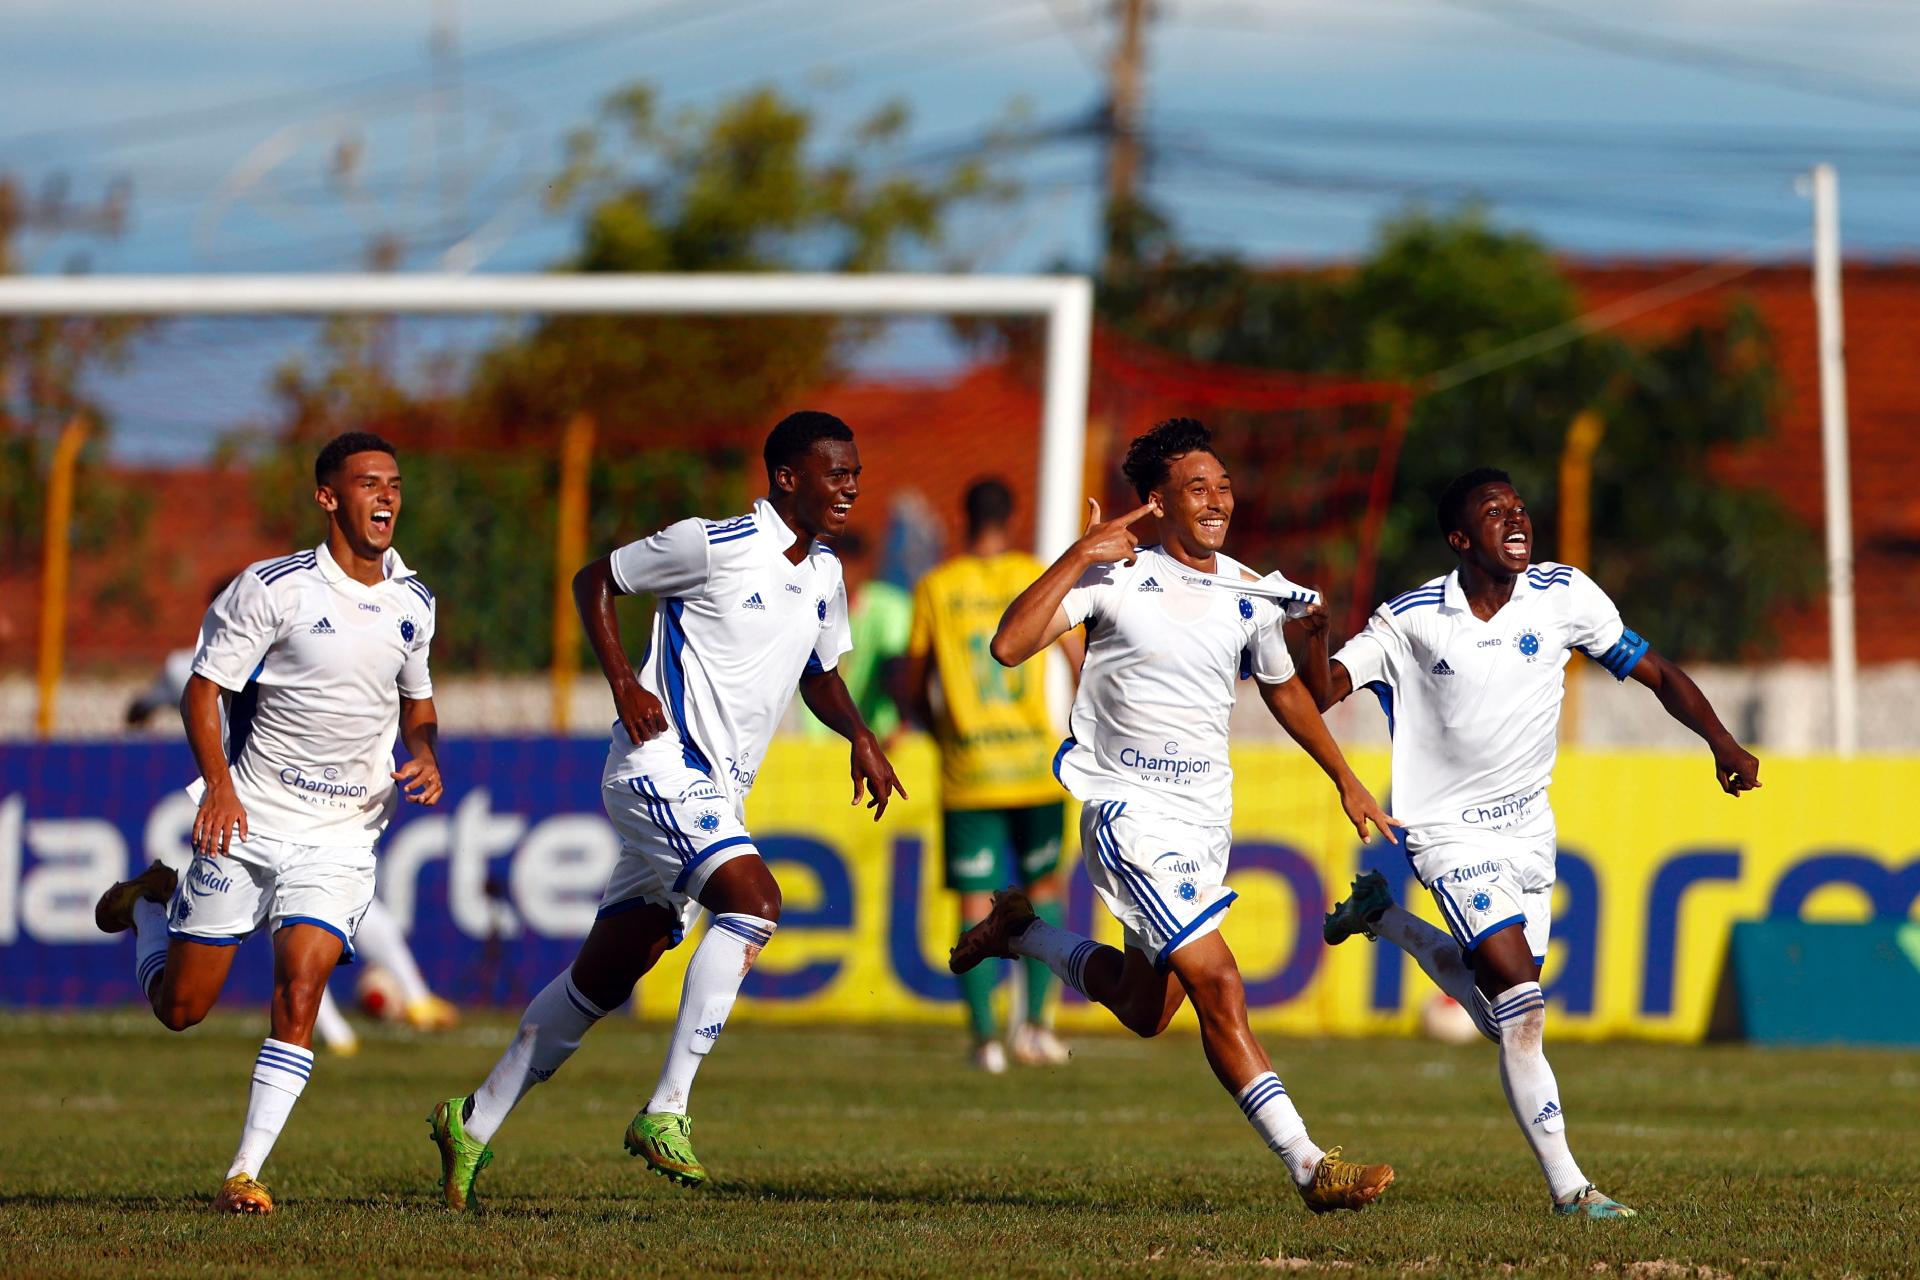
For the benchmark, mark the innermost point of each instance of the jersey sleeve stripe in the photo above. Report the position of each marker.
(733, 536)
(419, 588)
(1405, 603)
(280, 569)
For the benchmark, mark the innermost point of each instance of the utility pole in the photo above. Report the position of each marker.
(1125, 94)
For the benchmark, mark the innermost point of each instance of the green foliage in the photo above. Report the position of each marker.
(1452, 291)
(44, 362)
(681, 403)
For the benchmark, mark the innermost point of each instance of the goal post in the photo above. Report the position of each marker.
(1063, 303)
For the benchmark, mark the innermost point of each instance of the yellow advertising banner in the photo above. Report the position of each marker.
(1655, 865)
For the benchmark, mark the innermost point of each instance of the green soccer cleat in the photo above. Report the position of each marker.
(665, 1141)
(461, 1158)
(1592, 1203)
(1363, 906)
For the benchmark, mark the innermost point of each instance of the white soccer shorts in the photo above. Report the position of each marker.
(1160, 877)
(1485, 884)
(262, 880)
(676, 829)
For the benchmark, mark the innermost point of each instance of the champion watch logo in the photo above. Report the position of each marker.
(321, 628)
(1441, 668)
(754, 602)
(1547, 1113)
(1150, 585)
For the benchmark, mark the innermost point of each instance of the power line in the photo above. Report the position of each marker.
(1598, 320)
(1694, 56)
(172, 125)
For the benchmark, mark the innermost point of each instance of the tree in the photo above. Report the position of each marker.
(680, 403)
(44, 363)
(1440, 290)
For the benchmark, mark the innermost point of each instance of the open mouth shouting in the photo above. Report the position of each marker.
(1517, 547)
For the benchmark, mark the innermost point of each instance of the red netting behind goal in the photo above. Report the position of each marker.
(1312, 456)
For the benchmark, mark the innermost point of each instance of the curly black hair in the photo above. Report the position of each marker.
(797, 433)
(1453, 498)
(344, 446)
(1149, 455)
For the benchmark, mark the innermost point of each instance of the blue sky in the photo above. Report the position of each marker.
(1279, 128)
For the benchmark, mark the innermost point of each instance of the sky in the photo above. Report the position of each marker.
(286, 137)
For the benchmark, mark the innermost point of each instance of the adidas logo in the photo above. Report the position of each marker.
(1547, 1113)
(1150, 585)
(713, 1033)
(754, 602)
(321, 628)
(1441, 668)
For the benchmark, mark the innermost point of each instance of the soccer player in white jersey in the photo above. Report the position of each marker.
(1170, 629)
(1468, 668)
(745, 609)
(322, 658)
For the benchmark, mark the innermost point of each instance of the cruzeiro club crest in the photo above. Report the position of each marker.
(1246, 607)
(1528, 642)
(820, 607)
(1482, 901)
(708, 821)
(407, 630)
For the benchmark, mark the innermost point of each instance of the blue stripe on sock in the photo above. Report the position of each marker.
(1508, 1003)
(285, 1062)
(1077, 964)
(1260, 1093)
(579, 1001)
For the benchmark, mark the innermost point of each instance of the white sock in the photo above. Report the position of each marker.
(279, 1077)
(1533, 1094)
(380, 942)
(1439, 955)
(149, 945)
(1061, 950)
(1273, 1115)
(550, 1030)
(719, 966)
(332, 1025)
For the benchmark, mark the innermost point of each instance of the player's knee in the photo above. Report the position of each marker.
(177, 1013)
(1219, 994)
(1520, 1016)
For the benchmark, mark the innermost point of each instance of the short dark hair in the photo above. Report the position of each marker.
(1453, 498)
(1149, 455)
(794, 435)
(344, 446)
(989, 505)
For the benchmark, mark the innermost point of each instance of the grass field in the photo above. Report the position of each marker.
(876, 1152)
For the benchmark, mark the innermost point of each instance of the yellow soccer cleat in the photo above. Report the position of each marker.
(431, 1013)
(241, 1194)
(1340, 1184)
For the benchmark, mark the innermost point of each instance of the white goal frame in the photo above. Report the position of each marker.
(1064, 302)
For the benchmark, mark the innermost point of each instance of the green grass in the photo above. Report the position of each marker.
(876, 1151)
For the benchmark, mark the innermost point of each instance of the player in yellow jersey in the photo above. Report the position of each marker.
(1001, 812)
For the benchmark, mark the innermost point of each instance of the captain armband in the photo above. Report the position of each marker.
(1625, 654)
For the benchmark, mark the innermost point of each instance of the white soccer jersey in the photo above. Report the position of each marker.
(1474, 707)
(1165, 645)
(317, 663)
(735, 624)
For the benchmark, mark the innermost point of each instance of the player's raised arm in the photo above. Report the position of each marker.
(1036, 617)
(1737, 768)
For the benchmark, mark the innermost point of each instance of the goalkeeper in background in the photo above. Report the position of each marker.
(1001, 812)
